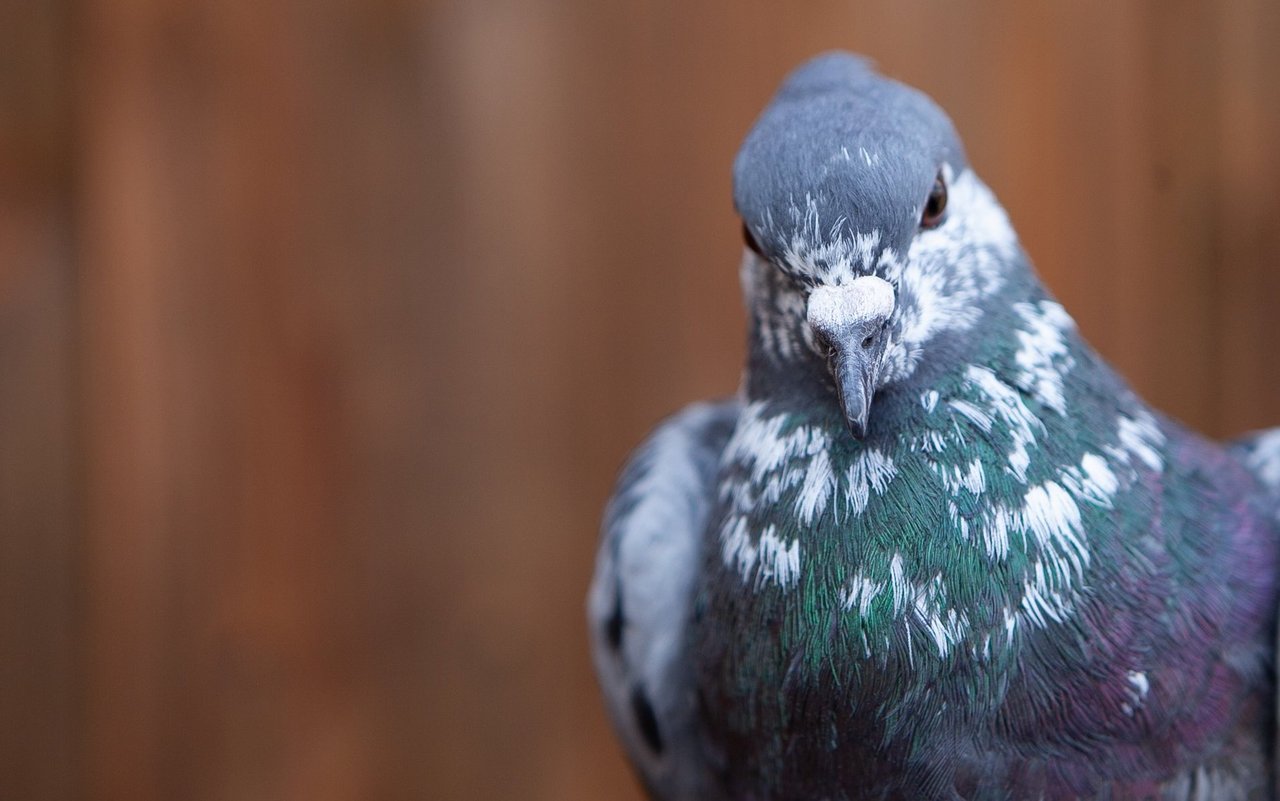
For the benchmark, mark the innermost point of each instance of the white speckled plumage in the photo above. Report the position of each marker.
(1007, 582)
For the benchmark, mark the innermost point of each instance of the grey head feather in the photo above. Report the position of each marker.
(840, 153)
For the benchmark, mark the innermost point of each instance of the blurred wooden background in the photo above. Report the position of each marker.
(325, 325)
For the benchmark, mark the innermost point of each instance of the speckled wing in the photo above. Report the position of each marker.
(641, 598)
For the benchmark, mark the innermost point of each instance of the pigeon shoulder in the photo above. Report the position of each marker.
(1259, 452)
(642, 592)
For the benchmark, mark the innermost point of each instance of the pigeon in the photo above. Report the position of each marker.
(935, 548)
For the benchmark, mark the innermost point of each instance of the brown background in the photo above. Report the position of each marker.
(325, 325)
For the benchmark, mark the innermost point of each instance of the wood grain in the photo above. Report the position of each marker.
(327, 325)
(40, 620)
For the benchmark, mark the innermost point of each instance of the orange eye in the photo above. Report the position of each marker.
(750, 241)
(935, 206)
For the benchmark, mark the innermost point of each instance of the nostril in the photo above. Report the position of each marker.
(869, 341)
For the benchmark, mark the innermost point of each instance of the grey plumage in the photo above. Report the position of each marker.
(642, 597)
(937, 549)
(839, 151)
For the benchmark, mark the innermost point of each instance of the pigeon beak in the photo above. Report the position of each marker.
(855, 382)
(850, 321)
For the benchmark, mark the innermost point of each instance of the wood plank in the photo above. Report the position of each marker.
(39, 598)
(1247, 278)
(1165, 299)
(374, 299)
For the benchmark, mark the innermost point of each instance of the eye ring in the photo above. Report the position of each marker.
(935, 206)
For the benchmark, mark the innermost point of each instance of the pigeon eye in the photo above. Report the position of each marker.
(936, 206)
(750, 241)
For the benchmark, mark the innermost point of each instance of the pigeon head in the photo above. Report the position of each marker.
(867, 234)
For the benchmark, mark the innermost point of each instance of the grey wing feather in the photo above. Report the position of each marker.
(1260, 453)
(642, 595)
